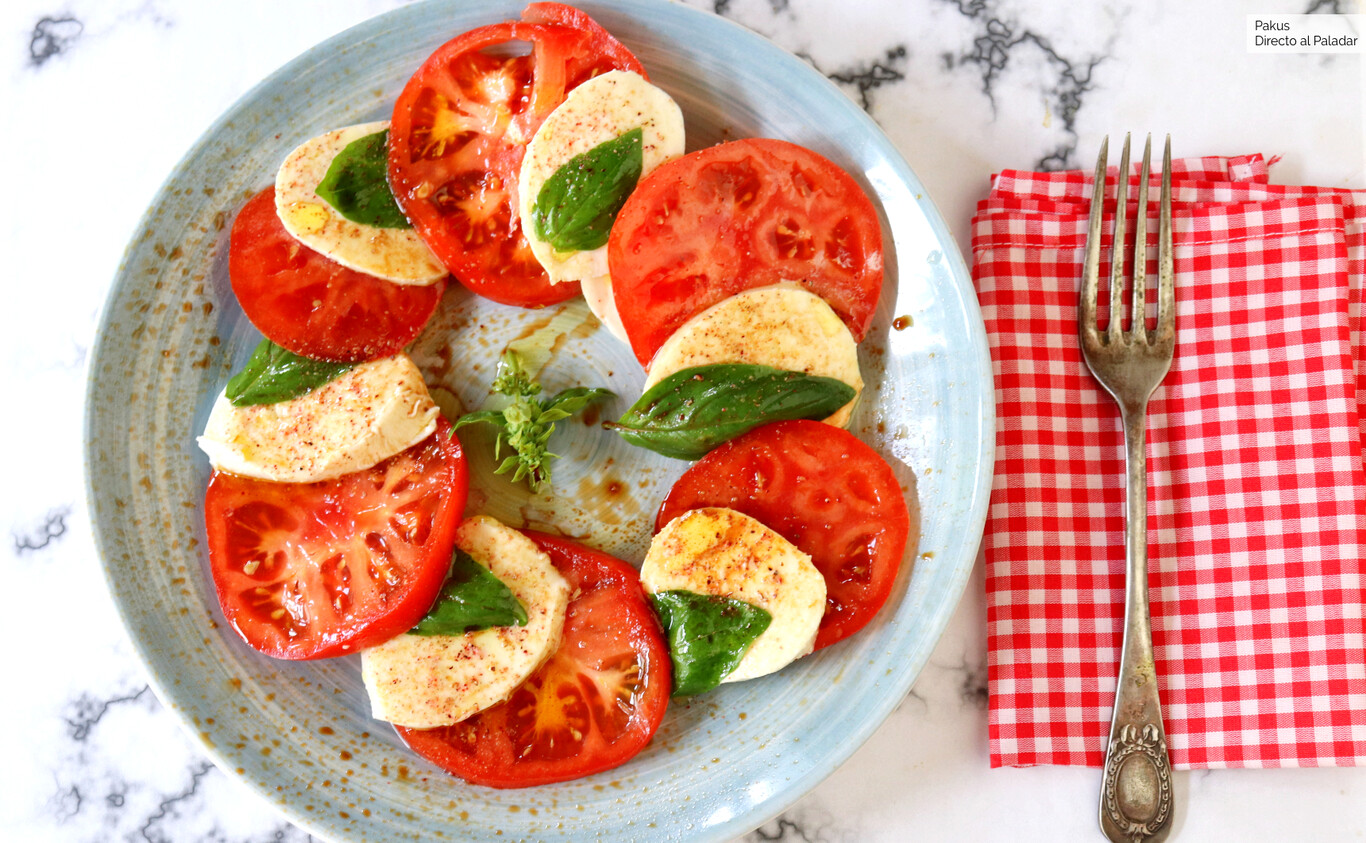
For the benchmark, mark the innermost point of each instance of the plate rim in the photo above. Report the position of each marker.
(900, 680)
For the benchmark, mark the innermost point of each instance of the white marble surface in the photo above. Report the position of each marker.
(102, 98)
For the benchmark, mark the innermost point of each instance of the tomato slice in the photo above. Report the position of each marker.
(459, 132)
(311, 570)
(313, 306)
(743, 214)
(823, 490)
(591, 707)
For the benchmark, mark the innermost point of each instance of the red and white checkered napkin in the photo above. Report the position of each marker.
(1257, 495)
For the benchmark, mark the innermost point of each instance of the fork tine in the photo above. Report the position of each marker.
(1138, 320)
(1090, 277)
(1166, 279)
(1114, 330)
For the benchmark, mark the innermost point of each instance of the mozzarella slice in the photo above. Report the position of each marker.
(427, 681)
(784, 326)
(394, 254)
(726, 553)
(362, 417)
(597, 292)
(601, 109)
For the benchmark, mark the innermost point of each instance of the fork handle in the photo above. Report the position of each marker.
(1136, 786)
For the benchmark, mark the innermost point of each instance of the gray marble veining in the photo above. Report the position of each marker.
(108, 95)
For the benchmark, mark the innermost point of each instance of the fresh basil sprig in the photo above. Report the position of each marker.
(526, 423)
(473, 598)
(275, 374)
(693, 410)
(576, 206)
(357, 184)
(708, 636)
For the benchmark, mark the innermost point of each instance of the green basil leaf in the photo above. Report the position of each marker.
(692, 411)
(357, 184)
(570, 401)
(525, 424)
(512, 379)
(576, 206)
(490, 416)
(275, 374)
(472, 599)
(708, 636)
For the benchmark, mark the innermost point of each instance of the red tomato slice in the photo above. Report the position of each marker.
(311, 570)
(823, 490)
(591, 707)
(312, 306)
(743, 214)
(459, 132)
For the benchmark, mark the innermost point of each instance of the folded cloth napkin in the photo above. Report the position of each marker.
(1257, 494)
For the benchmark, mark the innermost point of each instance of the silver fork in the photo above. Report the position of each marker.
(1136, 786)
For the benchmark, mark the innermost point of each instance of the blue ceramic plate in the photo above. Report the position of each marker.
(299, 734)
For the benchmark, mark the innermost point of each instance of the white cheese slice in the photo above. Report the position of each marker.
(394, 254)
(428, 681)
(601, 109)
(784, 326)
(360, 418)
(597, 292)
(726, 553)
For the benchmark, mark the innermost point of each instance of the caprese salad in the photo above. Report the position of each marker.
(742, 276)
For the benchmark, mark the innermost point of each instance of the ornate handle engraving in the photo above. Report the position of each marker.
(1138, 783)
